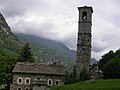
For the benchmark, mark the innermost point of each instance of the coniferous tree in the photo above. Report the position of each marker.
(26, 54)
(71, 76)
(74, 74)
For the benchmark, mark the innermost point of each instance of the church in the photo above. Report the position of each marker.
(30, 76)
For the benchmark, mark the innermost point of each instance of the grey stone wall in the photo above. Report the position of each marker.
(34, 77)
(36, 87)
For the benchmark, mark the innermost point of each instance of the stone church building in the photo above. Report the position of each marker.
(30, 76)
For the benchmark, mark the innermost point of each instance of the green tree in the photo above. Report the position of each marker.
(26, 54)
(6, 66)
(105, 58)
(67, 78)
(74, 75)
(84, 75)
(117, 54)
(109, 64)
(111, 70)
(71, 76)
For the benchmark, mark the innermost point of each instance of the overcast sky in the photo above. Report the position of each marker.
(58, 20)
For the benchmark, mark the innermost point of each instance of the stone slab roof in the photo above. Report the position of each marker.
(51, 69)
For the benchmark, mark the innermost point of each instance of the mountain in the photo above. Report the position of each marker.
(8, 40)
(93, 61)
(10, 44)
(50, 43)
(58, 48)
(45, 50)
(49, 51)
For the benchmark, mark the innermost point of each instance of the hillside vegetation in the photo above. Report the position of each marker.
(8, 40)
(111, 84)
(49, 51)
(110, 64)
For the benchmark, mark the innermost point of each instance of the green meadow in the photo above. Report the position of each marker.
(111, 84)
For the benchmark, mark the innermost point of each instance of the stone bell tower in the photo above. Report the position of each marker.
(84, 39)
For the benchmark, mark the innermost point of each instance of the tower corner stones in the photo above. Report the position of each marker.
(84, 39)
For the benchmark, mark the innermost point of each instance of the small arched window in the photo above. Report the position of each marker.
(27, 81)
(84, 15)
(50, 82)
(57, 82)
(19, 88)
(27, 88)
(20, 81)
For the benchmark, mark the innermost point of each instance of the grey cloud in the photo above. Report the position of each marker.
(98, 49)
(105, 20)
(70, 42)
(12, 8)
(39, 29)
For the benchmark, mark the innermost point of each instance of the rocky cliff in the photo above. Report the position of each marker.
(7, 38)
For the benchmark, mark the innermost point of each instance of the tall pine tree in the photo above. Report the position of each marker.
(26, 54)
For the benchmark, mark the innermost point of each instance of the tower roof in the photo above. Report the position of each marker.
(85, 7)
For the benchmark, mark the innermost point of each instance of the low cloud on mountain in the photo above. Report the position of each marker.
(58, 20)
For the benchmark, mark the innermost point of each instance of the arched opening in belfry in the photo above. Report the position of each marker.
(84, 15)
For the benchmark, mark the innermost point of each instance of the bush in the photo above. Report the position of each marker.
(111, 70)
(85, 75)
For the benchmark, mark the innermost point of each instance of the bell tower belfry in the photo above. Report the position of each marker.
(84, 39)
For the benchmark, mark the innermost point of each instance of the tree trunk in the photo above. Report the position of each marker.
(8, 86)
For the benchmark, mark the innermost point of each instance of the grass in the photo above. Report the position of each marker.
(111, 84)
(2, 86)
